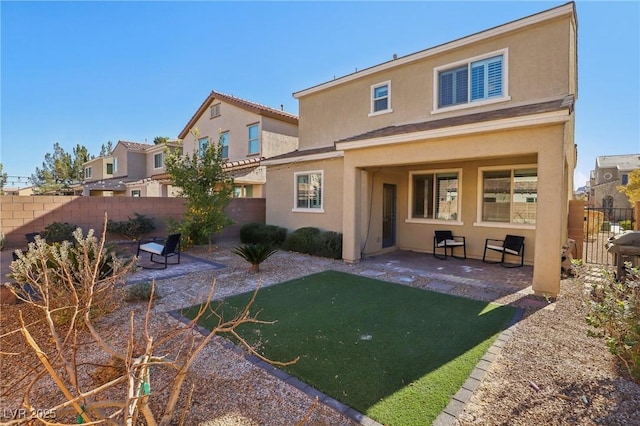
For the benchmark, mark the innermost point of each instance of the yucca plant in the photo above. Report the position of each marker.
(255, 254)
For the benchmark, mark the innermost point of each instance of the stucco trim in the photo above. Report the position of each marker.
(304, 158)
(466, 129)
(566, 9)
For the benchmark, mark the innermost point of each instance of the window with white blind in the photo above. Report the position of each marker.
(509, 195)
(465, 83)
(435, 195)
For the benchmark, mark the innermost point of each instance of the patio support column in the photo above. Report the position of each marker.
(350, 212)
(549, 226)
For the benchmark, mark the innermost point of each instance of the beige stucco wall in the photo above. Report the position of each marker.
(543, 146)
(541, 65)
(280, 202)
(98, 168)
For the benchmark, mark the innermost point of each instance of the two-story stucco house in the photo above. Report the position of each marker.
(133, 169)
(249, 133)
(475, 136)
(611, 171)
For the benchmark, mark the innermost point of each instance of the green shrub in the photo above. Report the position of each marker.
(259, 233)
(329, 244)
(63, 272)
(58, 232)
(140, 293)
(615, 315)
(626, 225)
(132, 228)
(255, 254)
(302, 240)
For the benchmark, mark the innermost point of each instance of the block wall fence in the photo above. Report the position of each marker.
(20, 215)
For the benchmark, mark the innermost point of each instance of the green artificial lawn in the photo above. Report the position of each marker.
(395, 353)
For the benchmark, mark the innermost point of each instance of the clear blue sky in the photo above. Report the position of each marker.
(91, 72)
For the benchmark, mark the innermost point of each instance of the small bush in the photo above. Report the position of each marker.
(259, 233)
(255, 254)
(615, 315)
(329, 244)
(140, 293)
(58, 232)
(626, 225)
(132, 228)
(302, 240)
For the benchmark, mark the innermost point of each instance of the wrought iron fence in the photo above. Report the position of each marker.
(601, 223)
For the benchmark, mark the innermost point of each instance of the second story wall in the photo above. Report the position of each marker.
(538, 63)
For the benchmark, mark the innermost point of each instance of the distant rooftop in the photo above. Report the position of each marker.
(621, 162)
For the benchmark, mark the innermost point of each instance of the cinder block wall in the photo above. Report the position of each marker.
(20, 215)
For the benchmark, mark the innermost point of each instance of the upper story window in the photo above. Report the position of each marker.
(87, 172)
(224, 142)
(109, 168)
(254, 139)
(381, 98)
(435, 195)
(203, 143)
(115, 165)
(308, 191)
(624, 179)
(157, 160)
(215, 110)
(509, 195)
(479, 80)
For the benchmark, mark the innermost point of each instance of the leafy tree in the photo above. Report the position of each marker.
(632, 189)
(160, 140)
(60, 169)
(207, 187)
(3, 179)
(106, 149)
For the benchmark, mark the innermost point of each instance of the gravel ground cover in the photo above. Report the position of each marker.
(550, 372)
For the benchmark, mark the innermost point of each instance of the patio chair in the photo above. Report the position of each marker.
(446, 240)
(512, 245)
(164, 248)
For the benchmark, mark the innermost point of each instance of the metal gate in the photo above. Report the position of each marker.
(601, 223)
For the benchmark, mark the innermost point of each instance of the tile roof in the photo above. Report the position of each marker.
(240, 103)
(139, 146)
(621, 162)
(511, 112)
(303, 153)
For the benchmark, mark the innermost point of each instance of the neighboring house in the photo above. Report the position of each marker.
(473, 136)
(133, 169)
(249, 133)
(611, 171)
(22, 190)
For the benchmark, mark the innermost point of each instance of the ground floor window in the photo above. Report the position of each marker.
(435, 195)
(135, 192)
(308, 191)
(243, 191)
(509, 195)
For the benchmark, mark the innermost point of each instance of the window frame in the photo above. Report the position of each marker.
(107, 172)
(410, 202)
(88, 172)
(436, 109)
(215, 110)
(201, 146)
(115, 164)
(155, 164)
(373, 99)
(136, 193)
(224, 137)
(480, 197)
(257, 139)
(295, 192)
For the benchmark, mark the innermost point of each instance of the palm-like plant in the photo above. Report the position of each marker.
(255, 254)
